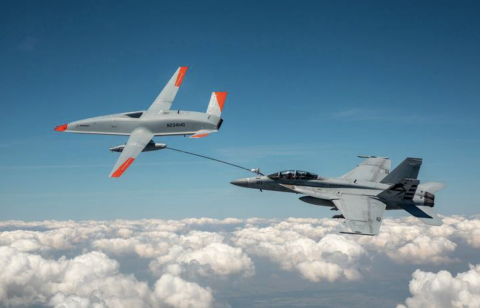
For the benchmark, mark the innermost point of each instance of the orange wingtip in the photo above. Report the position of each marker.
(200, 136)
(221, 96)
(61, 128)
(181, 74)
(123, 167)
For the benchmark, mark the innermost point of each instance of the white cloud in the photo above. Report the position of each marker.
(204, 251)
(88, 280)
(28, 279)
(407, 240)
(466, 229)
(216, 258)
(35, 241)
(442, 290)
(424, 249)
(179, 293)
(331, 258)
(181, 256)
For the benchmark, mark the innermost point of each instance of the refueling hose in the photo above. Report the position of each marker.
(257, 171)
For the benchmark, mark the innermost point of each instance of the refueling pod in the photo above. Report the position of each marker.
(151, 146)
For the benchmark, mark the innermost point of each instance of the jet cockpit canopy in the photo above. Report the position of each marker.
(293, 175)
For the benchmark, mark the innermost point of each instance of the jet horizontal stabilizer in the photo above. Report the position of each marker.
(203, 133)
(403, 190)
(424, 213)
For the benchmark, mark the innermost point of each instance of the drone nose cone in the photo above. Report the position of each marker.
(240, 182)
(61, 128)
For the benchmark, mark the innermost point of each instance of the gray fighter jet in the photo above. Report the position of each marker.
(158, 120)
(363, 194)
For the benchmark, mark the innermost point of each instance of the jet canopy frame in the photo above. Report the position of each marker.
(293, 175)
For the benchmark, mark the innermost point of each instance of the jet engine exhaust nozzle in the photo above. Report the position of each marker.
(429, 199)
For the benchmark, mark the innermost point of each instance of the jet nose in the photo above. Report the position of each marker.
(240, 182)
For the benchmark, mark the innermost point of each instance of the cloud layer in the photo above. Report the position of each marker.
(79, 264)
(442, 290)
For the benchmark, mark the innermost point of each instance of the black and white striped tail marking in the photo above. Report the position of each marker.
(411, 192)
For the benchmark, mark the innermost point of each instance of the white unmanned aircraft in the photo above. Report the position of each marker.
(158, 120)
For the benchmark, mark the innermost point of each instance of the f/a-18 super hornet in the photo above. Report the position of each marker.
(158, 120)
(363, 194)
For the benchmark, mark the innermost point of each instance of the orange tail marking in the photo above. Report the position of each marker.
(221, 96)
(180, 76)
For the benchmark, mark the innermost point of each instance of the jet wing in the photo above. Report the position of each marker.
(165, 98)
(363, 215)
(373, 169)
(136, 143)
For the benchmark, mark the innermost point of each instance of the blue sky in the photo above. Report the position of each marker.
(311, 85)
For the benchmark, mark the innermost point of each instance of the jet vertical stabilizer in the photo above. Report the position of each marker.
(214, 111)
(409, 168)
(217, 100)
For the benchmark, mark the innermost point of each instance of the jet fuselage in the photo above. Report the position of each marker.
(160, 123)
(328, 189)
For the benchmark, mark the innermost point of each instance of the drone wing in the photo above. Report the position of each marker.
(136, 143)
(165, 99)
